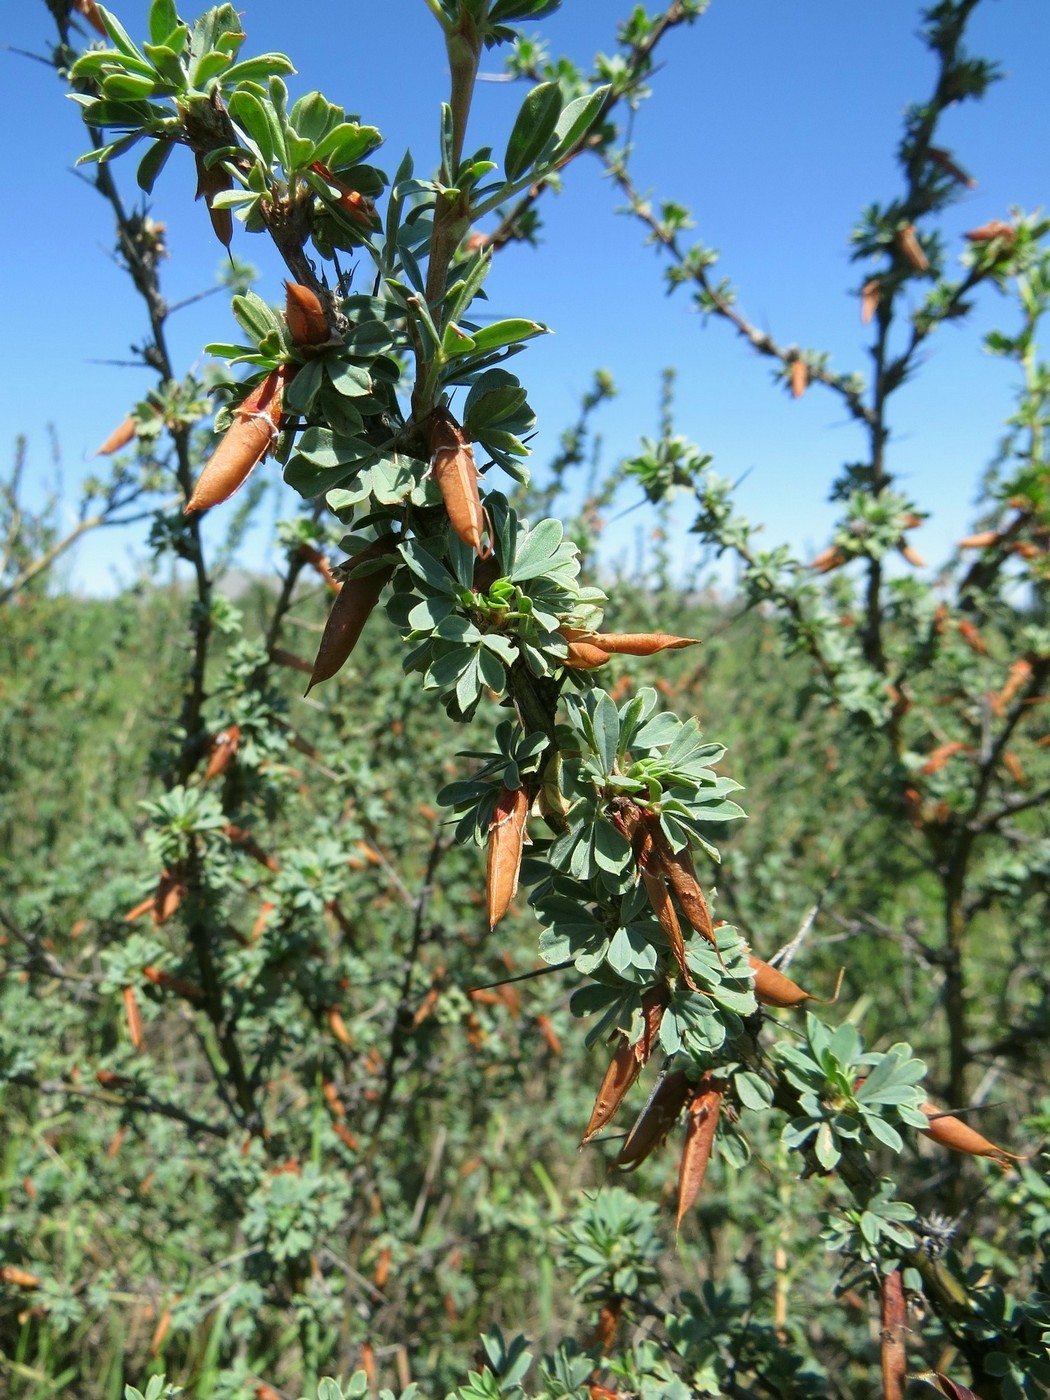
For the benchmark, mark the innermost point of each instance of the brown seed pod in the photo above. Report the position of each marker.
(358, 208)
(629, 643)
(18, 1278)
(1019, 675)
(984, 539)
(940, 756)
(221, 751)
(506, 842)
(160, 1332)
(585, 656)
(243, 838)
(133, 1017)
(170, 983)
(169, 895)
(913, 556)
(311, 555)
(943, 160)
(211, 182)
(304, 315)
(869, 299)
(351, 610)
(452, 466)
(970, 635)
(994, 228)
(118, 438)
(772, 988)
(628, 1060)
(550, 1035)
(952, 1132)
(894, 1331)
(677, 866)
(89, 9)
(244, 444)
(656, 1119)
(828, 559)
(663, 908)
(702, 1124)
(799, 378)
(910, 249)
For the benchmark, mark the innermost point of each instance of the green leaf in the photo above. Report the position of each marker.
(257, 70)
(605, 720)
(575, 121)
(255, 317)
(251, 116)
(163, 20)
(346, 144)
(152, 163)
(510, 332)
(533, 128)
(752, 1090)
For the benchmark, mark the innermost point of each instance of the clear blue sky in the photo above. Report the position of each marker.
(776, 123)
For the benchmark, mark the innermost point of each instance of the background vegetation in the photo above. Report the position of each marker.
(279, 1103)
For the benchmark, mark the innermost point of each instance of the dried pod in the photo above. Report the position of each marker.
(221, 751)
(994, 228)
(311, 555)
(940, 756)
(943, 160)
(869, 299)
(133, 1017)
(118, 438)
(280, 657)
(585, 656)
(910, 249)
(970, 635)
(628, 1060)
(772, 988)
(244, 444)
(550, 1035)
(18, 1278)
(89, 9)
(702, 1124)
(984, 539)
(453, 468)
(170, 983)
(160, 1332)
(351, 610)
(211, 182)
(656, 1119)
(337, 1026)
(357, 207)
(952, 1132)
(238, 836)
(677, 866)
(799, 378)
(663, 908)
(893, 1333)
(629, 643)
(506, 842)
(1019, 675)
(304, 315)
(913, 556)
(828, 559)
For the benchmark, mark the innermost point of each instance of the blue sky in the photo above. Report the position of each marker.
(775, 123)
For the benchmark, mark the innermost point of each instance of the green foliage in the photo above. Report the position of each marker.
(325, 1125)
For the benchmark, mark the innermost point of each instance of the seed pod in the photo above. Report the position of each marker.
(628, 1060)
(943, 160)
(169, 983)
(608, 1325)
(280, 657)
(799, 378)
(169, 895)
(984, 539)
(677, 866)
(952, 1132)
(869, 299)
(133, 1017)
(311, 555)
(160, 1332)
(629, 643)
(211, 182)
(358, 208)
(1019, 675)
(994, 228)
(244, 444)
(704, 1108)
(970, 635)
(18, 1278)
(772, 988)
(656, 1119)
(550, 1035)
(913, 556)
(89, 9)
(585, 656)
(946, 1386)
(663, 908)
(351, 610)
(118, 438)
(221, 751)
(894, 1331)
(304, 315)
(940, 756)
(910, 249)
(506, 842)
(452, 466)
(337, 1026)
(238, 836)
(828, 559)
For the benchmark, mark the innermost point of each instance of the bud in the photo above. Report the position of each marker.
(305, 316)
